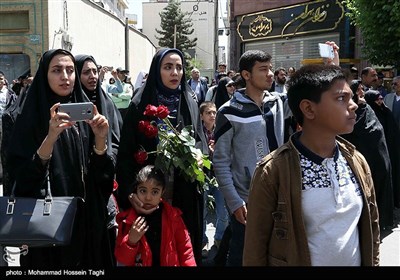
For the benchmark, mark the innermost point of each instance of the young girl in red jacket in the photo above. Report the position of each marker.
(154, 234)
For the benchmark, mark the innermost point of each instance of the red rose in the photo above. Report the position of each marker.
(150, 110)
(151, 131)
(140, 157)
(115, 186)
(162, 112)
(143, 125)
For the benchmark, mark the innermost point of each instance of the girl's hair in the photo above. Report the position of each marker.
(149, 172)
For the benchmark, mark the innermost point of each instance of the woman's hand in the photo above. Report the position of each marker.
(137, 230)
(59, 121)
(57, 124)
(100, 126)
(138, 205)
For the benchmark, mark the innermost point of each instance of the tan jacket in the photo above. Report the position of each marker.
(275, 233)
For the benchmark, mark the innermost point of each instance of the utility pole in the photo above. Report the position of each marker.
(127, 44)
(174, 36)
(216, 28)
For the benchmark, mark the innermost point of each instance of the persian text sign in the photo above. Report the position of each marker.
(305, 18)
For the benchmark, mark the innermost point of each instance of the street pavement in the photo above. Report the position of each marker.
(389, 249)
(390, 246)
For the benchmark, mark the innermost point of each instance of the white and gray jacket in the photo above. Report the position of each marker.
(244, 134)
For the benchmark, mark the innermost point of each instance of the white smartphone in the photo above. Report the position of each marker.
(78, 111)
(326, 50)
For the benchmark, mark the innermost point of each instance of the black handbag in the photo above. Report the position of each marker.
(37, 222)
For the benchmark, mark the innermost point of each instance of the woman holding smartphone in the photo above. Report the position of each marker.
(72, 156)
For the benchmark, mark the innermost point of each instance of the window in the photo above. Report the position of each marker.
(14, 21)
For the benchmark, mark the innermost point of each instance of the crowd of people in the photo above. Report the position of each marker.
(297, 180)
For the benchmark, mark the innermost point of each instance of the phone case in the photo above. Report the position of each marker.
(77, 111)
(326, 50)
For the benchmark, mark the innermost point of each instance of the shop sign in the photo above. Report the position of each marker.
(34, 39)
(300, 19)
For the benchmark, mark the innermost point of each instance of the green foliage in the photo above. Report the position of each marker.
(177, 150)
(173, 16)
(379, 22)
(192, 63)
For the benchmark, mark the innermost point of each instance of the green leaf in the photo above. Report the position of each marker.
(206, 163)
(378, 21)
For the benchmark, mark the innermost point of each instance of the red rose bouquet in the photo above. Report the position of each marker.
(175, 149)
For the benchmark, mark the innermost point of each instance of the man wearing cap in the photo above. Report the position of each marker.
(116, 87)
(121, 92)
(354, 73)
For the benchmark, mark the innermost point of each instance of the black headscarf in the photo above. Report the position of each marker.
(105, 106)
(148, 94)
(32, 126)
(222, 94)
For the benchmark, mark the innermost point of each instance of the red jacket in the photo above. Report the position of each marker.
(176, 247)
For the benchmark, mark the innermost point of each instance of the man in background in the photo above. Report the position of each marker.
(198, 85)
(369, 78)
(221, 69)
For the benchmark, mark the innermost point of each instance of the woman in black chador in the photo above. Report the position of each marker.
(76, 157)
(392, 135)
(88, 72)
(165, 85)
(369, 138)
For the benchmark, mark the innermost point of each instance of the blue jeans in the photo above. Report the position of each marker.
(220, 211)
(236, 244)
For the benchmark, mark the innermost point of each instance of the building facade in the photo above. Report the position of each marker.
(29, 28)
(290, 30)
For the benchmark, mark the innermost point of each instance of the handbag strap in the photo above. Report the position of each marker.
(47, 200)
(48, 191)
